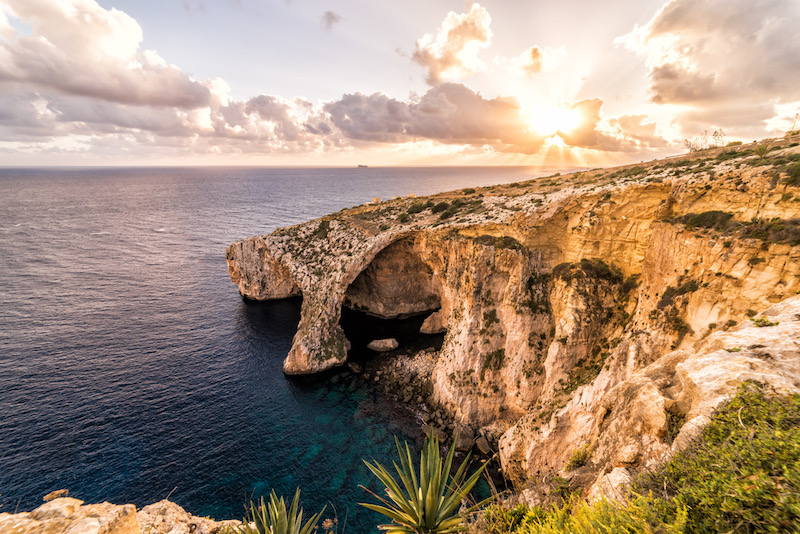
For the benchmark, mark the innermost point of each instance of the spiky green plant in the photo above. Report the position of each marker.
(273, 518)
(426, 504)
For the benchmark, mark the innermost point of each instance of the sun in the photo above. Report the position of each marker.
(548, 120)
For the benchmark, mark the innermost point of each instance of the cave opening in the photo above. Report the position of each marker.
(360, 328)
(396, 296)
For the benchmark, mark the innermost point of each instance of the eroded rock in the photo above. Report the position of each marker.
(383, 345)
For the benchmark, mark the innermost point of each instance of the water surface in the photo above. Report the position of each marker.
(130, 367)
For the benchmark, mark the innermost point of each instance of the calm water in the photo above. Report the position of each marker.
(130, 367)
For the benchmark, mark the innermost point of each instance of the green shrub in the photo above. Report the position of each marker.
(793, 174)
(762, 322)
(743, 473)
(403, 217)
(579, 457)
(708, 219)
(499, 242)
(417, 207)
(322, 230)
(468, 191)
(588, 268)
(689, 286)
(441, 206)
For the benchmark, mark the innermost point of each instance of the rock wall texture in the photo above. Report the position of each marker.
(66, 515)
(612, 309)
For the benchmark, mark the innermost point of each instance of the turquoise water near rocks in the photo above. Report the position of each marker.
(130, 367)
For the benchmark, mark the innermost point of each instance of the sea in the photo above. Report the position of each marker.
(131, 370)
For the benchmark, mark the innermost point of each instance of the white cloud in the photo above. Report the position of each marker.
(723, 58)
(78, 48)
(452, 53)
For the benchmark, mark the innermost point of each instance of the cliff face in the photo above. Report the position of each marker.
(588, 309)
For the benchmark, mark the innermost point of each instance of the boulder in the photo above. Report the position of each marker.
(464, 437)
(383, 345)
(435, 323)
(483, 445)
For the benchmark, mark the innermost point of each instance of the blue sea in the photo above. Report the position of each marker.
(132, 370)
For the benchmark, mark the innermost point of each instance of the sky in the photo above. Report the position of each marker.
(420, 82)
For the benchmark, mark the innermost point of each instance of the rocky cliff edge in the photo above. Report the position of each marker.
(609, 310)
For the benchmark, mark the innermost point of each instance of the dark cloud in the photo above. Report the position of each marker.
(452, 53)
(329, 19)
(448, 113)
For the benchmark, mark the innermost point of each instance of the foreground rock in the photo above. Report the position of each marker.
(70, 516)
(579, 310)
(66, 515)
(165, 517)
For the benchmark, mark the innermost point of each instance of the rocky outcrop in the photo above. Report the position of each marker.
(66, 515)
(577, 309)
(165, 517)
(70, 516)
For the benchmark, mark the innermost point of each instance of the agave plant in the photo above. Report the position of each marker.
(273, 518)
(428, 504)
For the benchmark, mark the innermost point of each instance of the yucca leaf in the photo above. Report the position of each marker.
(429, 503)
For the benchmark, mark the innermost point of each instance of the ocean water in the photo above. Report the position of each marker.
(132, 370)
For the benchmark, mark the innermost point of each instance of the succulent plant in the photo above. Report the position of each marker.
(427, 504)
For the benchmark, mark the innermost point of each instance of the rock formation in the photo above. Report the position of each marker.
(611, 309)
(66, 515)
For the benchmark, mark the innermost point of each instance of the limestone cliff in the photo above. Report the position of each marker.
(588, 309)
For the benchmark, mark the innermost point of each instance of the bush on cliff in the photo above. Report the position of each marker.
(428, 503)
(741, 475)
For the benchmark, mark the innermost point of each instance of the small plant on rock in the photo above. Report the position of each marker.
(579, 457)
(428, 503)
(274, 518)
(761, 322)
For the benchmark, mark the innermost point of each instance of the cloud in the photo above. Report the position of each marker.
(707, 52)
(535, 59)
(78, 48)
(448, 113)
(627, 133)
(329, 19)
(532, 59)
(452, 53)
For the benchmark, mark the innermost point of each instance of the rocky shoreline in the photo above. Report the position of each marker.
(406, 379)
(66, 515)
